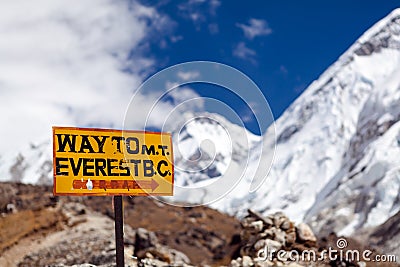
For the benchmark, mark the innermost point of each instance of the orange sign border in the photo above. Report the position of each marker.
(106, 193)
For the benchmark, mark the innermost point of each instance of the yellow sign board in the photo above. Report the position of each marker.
(101, 162)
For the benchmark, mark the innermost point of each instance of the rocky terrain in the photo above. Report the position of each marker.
(275, 240)
(37, 229)
(386, 236)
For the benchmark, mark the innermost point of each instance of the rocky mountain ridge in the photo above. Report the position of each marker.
(337, 146)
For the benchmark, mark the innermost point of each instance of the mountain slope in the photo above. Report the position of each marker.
(387, 235)
(337, 147)
(337, 144)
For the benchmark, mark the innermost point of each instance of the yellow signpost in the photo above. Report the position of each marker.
(104, 162)
(112, 162)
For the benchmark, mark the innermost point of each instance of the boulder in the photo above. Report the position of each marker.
(144, 240)
(304, 233)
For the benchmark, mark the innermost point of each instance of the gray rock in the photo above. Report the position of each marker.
(11, 208)
(247, 221)
(269, 233)
(257, 226)
(285, 225)
(280, 236)
(290, 238)
(166, 254)
(144, 239)
(247, 261)
(260, 244)
(272, 245)
(304, 233)
(235, 263)
(268, 221)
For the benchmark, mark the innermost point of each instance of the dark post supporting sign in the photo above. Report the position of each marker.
(119, 230)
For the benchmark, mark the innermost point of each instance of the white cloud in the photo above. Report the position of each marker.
(214, 5)
(213, 28)
(251, 112)
(283, 70)
(186, 99)
(166, 107)
(246, 117)
(64, 63)
(256, 27)
(175, 39)
(188, 75)
(184, 94)
(199, 10)
(243, 52)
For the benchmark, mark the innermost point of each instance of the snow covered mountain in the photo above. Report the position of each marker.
(338, 144)
(337, 147)
(33, 164)
(205, 144)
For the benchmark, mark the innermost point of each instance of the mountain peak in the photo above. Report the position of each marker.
(337, 129)
(384, 34)
(337, 144)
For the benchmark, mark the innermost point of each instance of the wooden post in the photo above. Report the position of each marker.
(119, 231)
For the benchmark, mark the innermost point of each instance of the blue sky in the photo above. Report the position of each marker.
(281, 45)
